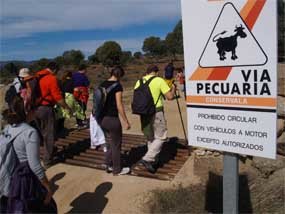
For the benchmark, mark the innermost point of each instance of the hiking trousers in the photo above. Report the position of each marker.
(159, 131)
(113, 127)
(45, 121)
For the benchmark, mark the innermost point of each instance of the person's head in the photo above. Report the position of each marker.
(16, 112)
(53, 66)
(82, 67)
(179, 70)
(152, 69)
(66, 75)
(117, 72)
(24, 73)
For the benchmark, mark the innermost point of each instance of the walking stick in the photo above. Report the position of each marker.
(185, 135)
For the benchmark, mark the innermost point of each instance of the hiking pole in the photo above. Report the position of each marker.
(179, 109)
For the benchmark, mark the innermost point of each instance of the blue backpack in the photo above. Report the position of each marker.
(8, 159)
(99, 100)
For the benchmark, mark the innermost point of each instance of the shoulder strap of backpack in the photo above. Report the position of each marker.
(111, 87)
(11, 142)
(149, 80)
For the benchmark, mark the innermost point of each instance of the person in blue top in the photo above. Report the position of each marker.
(81, 90)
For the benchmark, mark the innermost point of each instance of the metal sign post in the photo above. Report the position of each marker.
(230, 183)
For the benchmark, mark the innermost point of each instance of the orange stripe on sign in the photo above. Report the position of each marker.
(224, 100)
(220, 73)
(254, 13)
(247, 8)
(201, 74)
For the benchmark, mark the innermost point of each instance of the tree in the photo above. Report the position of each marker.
(59, 60)
(92, 59)
(137, 55)
(40, 64)
(73, 57)
(154, 46)
(126, 57)
(8, 72)
(178, 35)
(109, 54)
(171, 44)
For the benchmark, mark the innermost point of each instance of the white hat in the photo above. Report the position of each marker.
(24, 72)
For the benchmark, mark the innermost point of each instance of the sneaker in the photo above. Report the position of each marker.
(124, 171)
(109, 169)
(147, 165)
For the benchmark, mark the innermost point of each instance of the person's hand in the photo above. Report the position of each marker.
(48, 197)
(127, 126)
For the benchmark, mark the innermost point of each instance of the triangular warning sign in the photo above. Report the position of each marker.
(231, 43)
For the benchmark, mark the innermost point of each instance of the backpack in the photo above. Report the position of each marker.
(143, 103)
(8, 159)
(31, 94)
(10, 94)
(99, 100)
(169, 70)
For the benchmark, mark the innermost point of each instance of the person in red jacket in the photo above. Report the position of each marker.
(44, 115)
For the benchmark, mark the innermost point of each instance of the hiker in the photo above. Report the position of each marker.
(14, 89)
(24, 184)
(180, 77)
(169, 74)
(81, 94)
(44, 115)
(154, 124)
(27, 79)
(111, 123)
(67, 88)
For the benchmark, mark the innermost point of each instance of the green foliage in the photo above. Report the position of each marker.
(126, 57)
(73, 57)
(177, 200)
(137, 55)
(92, 59)
(40, 64)
(59, 60)
(8, 72)
(154, 46)
(109, 54)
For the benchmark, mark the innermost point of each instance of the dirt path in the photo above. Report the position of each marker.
(82, 189)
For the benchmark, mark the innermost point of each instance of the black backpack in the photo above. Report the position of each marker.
(143, 103)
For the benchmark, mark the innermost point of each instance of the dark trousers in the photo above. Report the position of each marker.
(45, 121)
(84, 107)
(113, 127)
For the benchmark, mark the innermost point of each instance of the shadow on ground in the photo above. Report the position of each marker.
(92, 202)
(54, 179)
(168, 152)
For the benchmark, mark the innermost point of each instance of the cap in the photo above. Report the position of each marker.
(24, 72)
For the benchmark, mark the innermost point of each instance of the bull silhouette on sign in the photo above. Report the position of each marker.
(229, 44)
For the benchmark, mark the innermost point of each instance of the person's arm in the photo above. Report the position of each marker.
(33, 156)
(168, 92)
(121, 109)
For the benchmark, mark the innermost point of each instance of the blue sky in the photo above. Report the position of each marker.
(34, 29)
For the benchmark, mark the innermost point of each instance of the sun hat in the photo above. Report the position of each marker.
(24, 72)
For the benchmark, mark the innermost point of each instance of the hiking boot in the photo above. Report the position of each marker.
(148, 165)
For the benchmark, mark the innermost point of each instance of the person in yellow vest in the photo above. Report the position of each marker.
(154, 126)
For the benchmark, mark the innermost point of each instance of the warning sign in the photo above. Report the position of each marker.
(230, 51)
(231, 43)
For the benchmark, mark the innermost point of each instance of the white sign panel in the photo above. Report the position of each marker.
(230, 51)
